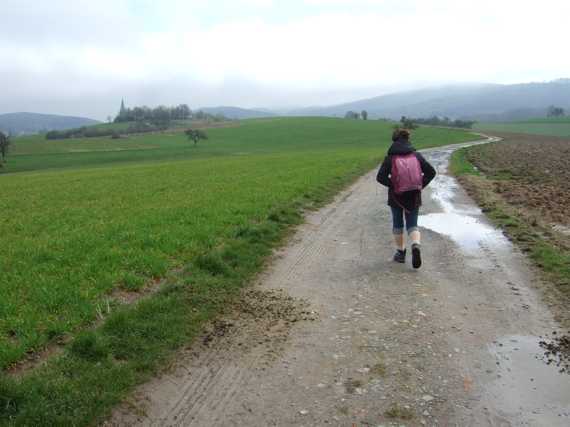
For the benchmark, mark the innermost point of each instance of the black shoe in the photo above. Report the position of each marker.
(400, 256)
(416, 256)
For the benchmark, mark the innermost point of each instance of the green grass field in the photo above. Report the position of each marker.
(253, 137)
(551, 126)
(84, 218)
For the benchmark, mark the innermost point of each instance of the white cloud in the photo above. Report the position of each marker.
(306, 47)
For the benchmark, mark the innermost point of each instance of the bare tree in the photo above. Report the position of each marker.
(408, 123)
(554, 111)
(4, 144)
(195, 135)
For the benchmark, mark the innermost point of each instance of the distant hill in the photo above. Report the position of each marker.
(26, 123)
(488, 102)
(237, 113)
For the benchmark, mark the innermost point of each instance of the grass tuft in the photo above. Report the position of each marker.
(10, 398)
(399, 412)
(89, 346)
(132, 282)
(285, 216)
(213, 263)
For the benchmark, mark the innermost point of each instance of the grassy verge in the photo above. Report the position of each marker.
(547, 250)
(459, 165)
(203, 225)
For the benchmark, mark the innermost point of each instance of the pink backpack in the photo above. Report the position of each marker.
(406, 174)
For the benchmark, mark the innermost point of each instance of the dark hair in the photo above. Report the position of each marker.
(400, 133)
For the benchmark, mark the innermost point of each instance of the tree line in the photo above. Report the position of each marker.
(162, 115)
(354, 115)
(99, 132)
(140, 119)
(412, 123)
(157, 115)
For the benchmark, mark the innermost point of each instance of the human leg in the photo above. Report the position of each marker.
(398, 232)
(412, 226)
(398, 227)
(414, 235)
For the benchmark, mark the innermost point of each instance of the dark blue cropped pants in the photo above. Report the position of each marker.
(411, 217)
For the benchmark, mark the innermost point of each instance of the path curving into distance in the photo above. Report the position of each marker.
(454, 343)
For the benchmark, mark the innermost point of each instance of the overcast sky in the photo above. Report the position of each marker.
(81, 57)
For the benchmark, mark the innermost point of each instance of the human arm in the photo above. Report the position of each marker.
(383, 176)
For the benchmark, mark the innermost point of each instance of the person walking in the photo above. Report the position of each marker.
(405, 172)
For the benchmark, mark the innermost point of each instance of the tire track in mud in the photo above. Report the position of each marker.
(313, 243)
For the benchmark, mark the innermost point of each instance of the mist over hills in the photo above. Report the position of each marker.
(237, 113)
(480, 102)
(27, 123)
(489, 102)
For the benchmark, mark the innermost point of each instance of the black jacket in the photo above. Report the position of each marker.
(409, 200)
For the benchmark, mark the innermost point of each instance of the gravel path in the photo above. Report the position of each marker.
(372, 342)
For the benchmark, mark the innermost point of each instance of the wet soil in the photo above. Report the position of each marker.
(530, 171)
(538, 393)
(557, 351)
(353, 339)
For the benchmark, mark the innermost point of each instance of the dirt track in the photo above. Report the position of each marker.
(374, 343)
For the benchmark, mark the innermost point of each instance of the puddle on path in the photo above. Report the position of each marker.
(468, 232)
(462, 222)
(526, 386)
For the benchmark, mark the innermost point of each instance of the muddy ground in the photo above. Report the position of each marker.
(335, 333)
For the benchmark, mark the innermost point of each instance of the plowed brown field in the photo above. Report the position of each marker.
(529, 171)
